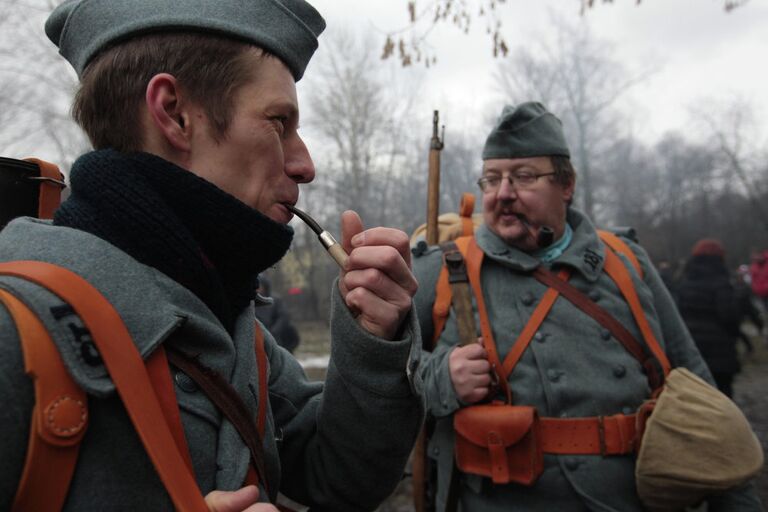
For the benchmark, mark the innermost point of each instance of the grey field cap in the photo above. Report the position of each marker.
(286, 28)
(525, 131)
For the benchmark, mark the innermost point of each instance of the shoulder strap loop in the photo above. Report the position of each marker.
(59, 419)
(127, 370)
(621, 247)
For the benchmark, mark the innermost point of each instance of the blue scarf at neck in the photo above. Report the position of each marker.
(551, 253)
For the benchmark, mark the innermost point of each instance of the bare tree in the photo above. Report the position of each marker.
(577, 77)
(36, 88)
(411, 43)
(731, 127)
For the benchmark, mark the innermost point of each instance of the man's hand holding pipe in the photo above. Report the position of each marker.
(376, 282)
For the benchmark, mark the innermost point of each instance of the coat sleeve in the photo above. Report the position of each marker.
(345, 443)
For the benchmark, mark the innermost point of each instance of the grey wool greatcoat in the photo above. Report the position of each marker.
(572, 368)
(340, 446)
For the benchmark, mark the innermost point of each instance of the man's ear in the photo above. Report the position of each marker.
(568, 190)
(169, 111)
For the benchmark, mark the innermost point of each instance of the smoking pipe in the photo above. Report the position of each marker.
(326, 238)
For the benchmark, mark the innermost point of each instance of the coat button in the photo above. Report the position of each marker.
(619, 371)
(185, 382)
(554, 375)
(527, 298)
(540, 337)
(605, 334)
(436, 451)
(572, 463)
(627, 411)
(594, 295)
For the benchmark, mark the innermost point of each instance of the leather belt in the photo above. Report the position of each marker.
(599, 435)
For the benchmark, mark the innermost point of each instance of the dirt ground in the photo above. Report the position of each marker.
(750, 393)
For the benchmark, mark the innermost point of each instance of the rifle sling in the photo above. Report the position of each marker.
(226, 399)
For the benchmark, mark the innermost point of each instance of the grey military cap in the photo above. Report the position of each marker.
(286, 28)
(525, 131)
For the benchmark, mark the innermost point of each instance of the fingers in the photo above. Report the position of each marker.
(377, 283)
(351, 224)
(469, 370)
(232, 501)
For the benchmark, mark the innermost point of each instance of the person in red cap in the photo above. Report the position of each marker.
(708, 304)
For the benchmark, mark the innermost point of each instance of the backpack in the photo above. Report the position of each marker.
(29, 187)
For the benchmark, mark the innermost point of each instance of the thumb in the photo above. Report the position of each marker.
(232, 501)
(351, 224)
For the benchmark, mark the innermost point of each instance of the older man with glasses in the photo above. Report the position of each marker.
(564, 440)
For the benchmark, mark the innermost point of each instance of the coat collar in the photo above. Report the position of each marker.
(151, 317)
(585, 254)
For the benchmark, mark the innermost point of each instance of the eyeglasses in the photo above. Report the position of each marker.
(519, 180)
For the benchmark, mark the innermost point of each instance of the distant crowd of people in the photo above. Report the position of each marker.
(714, 304)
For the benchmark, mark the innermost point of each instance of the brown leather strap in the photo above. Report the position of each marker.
(261, 364)
(602, 435)
(59, 419)
(127, 371)
(226, 399)
(460, 292)
(51, 184)
(619, 274)
(584, 303)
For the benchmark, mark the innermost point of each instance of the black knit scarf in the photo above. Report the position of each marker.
(172, 220)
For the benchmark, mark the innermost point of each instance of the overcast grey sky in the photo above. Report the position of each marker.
(700, 54)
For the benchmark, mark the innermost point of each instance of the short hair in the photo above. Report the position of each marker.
(209, 68)
(565, 174)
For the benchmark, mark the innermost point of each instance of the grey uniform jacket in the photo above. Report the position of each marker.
(572, 368)
(339, 446)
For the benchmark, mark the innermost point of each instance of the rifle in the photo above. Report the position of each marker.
(423, 492)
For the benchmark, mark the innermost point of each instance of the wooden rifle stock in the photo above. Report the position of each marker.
(424, 498)
(433, 183)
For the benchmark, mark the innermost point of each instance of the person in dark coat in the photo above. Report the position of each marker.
(709, 306)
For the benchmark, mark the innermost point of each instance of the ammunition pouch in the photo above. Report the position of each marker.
(499, 441)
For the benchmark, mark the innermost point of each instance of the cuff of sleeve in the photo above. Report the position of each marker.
(382, 367)
(447, 402)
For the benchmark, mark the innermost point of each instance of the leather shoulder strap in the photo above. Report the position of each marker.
(621, 247)
(127, 371)
(59, 418)
(262, 365)
(453, 280)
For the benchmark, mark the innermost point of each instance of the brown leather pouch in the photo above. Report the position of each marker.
(502, 442)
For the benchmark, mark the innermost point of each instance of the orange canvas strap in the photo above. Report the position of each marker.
(619, 274)
(127, 371)
(601, 435)
(621, 247)
(51, 184)
(59, 419)
(538, 316)
(160, 377)
(474, 259)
